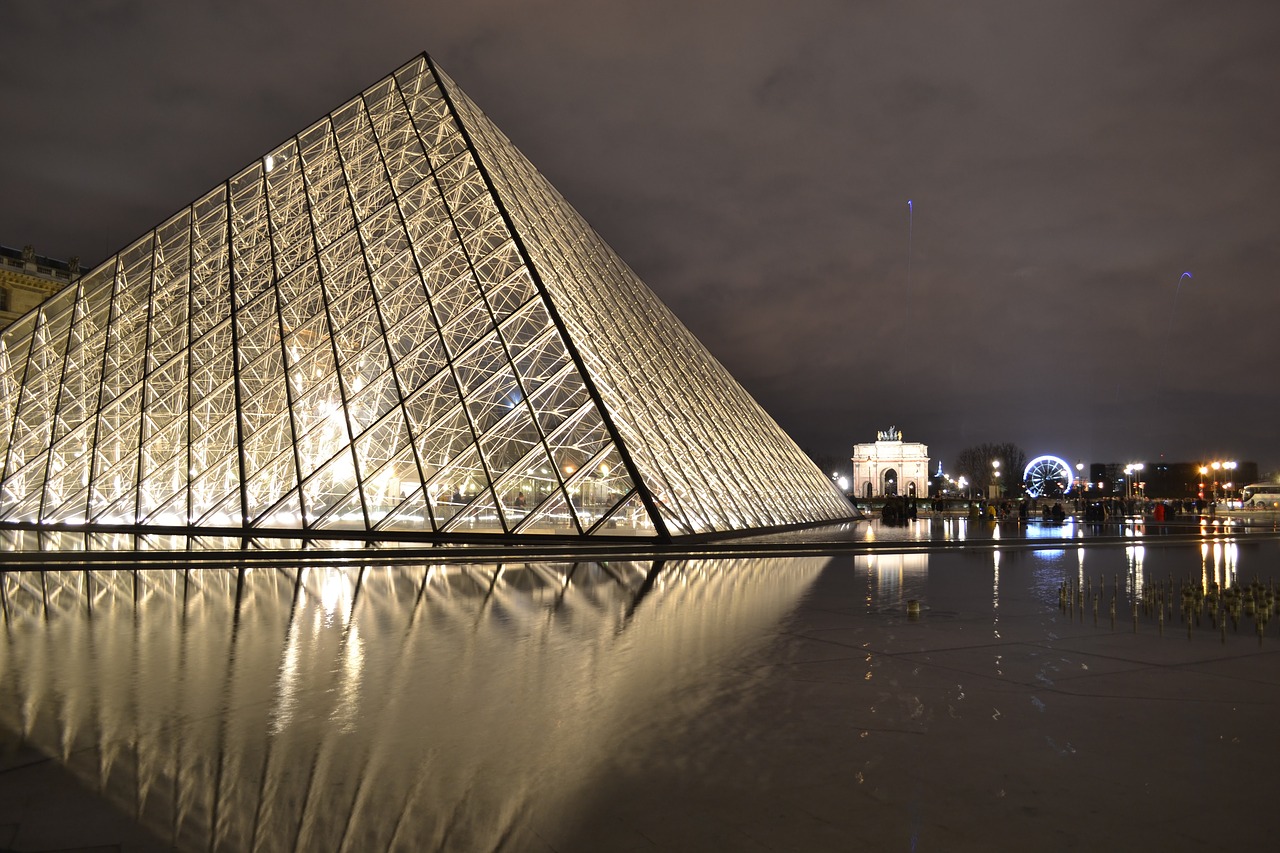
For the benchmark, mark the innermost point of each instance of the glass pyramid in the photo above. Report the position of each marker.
(391, 322)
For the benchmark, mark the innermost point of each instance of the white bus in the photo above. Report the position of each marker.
(1265, 494)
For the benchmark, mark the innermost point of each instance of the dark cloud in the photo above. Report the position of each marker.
(752, 161)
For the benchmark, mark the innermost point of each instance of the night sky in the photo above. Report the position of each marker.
(1066, 163)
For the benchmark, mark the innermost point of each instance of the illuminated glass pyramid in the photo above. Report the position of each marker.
(393, 323)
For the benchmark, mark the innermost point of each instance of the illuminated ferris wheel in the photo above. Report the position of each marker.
(1047, 476)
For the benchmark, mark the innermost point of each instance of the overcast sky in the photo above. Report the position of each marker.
(1066, 163)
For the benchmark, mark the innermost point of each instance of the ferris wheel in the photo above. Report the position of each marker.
(1047, 476)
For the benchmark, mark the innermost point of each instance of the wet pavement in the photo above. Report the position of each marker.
(747, 704)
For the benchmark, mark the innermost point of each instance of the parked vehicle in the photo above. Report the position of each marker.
(1266, 494)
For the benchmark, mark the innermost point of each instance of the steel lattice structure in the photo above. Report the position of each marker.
(389, 323)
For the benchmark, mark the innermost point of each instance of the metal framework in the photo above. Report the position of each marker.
(390, 323)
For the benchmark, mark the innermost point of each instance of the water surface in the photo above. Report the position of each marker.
(751, 704)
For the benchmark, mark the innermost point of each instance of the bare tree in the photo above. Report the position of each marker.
(976, 465)
(829, 463)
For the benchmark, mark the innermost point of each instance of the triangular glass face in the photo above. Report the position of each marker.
(389, 322)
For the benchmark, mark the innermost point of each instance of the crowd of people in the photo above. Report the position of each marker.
(900, 509)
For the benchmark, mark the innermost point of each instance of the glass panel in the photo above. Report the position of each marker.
(552, 517)
(479, 516)
(629, 519)
(388, 470)
(346, 514)
(326, 184)
(411, 515)
(271, 482)
(330, 488)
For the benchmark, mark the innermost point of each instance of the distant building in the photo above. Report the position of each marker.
(1173, 480)
(27, 279)
(890, 466)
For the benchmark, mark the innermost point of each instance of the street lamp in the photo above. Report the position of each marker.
(1080, 483)
(995, 466)
(1129, 470)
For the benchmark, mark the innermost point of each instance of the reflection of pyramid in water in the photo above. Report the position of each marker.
(390, 322)
(407, 707)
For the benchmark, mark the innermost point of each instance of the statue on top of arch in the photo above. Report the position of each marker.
(890, 434)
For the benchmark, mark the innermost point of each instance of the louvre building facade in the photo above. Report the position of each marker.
(391, 322)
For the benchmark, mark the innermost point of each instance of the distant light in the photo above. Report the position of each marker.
(269, 162)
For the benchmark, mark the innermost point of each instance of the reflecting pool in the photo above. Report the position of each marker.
(748, 704)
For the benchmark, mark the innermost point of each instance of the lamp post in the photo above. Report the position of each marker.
(995, 467)
(1129, 471)
(1230, 466)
